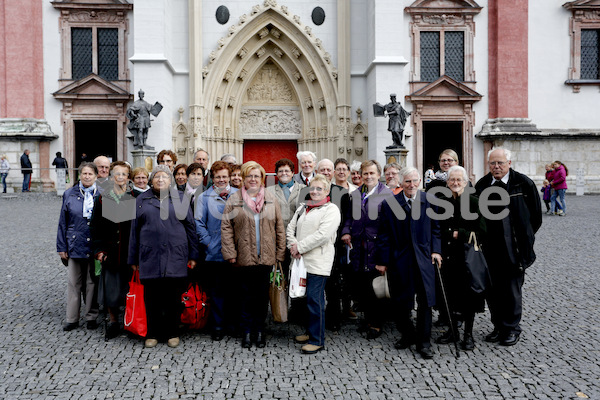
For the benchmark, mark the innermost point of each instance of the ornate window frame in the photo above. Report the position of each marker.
(442, 17)
(95, 16)
(585, 15)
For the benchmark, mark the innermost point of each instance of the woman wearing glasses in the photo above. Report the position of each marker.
(447, 159)
(168, 158)
(253, 240)
(311, 235)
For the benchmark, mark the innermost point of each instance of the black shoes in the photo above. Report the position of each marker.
(404, 343)
(112, 330)
(426, 353)
(261, 341)
(217, 334)
(246, 341)
(493, 337)
(70, 326)
(446, 338)
(91, 325)
(373, 333)
(510, 340)
(468, 343)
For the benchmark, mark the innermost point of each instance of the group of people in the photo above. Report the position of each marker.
(554, 188)
(220, 225)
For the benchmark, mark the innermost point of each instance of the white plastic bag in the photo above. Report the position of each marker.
(298, 279)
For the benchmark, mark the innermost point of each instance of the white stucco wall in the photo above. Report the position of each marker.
(52, 64)
(552, 104)
(481, 66)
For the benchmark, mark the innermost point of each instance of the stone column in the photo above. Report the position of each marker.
(196, 84)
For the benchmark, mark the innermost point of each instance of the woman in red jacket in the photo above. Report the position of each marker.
(559, 184)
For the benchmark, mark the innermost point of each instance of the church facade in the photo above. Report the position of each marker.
(255, 78)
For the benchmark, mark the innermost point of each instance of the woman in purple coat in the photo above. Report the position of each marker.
(162, 246)
(559, 186)
(360, 232)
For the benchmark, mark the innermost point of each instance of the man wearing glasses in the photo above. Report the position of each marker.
(509, 243)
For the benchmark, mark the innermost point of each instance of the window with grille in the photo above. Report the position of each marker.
(448, 46)
(589, 54)
(108, 53)
(95, 50)
(81, 52)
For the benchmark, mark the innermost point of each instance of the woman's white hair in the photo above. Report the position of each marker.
(460, 169)
(507, 152)
(301, 154)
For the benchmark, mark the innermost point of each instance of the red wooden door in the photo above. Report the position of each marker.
(268, 152)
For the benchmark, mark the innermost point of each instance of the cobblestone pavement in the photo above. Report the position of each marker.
(557, 357)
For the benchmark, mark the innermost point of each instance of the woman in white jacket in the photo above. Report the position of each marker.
(311, 235)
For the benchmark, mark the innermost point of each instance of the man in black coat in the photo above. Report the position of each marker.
(509, 243)
(26, 170)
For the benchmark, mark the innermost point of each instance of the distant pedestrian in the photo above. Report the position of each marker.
(546, 193)
(26, 170)
(559, 186)
(61, 163)
(4, 168)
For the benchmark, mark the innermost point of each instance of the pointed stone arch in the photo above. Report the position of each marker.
(269, 35)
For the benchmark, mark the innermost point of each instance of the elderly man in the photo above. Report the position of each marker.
(341, 173)
(391, 172)
(408, 245)
(202, 157)
(103, 165)
(509, 243)
(307, 161)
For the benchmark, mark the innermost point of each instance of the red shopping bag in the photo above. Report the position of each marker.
(195, 307)
(135, 309)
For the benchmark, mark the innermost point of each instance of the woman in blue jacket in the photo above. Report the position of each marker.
(209, 211)
(162, 244)
(73, 243)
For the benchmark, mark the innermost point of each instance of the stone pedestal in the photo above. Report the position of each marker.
(144, 158)
(60, 181)
(396, 154)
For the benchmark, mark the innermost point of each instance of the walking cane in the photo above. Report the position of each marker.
(454, 333)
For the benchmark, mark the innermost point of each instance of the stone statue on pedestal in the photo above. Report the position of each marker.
(139, 120)
(398, 116)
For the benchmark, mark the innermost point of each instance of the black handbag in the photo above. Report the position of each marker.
(476, 265)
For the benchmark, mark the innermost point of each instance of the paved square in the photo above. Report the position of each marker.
(558, 356)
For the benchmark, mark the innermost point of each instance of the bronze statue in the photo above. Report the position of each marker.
(139, 116)
(398, 116)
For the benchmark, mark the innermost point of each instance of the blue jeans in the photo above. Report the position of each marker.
(26, 180)
(4, 175)
(315, 302)
(560, 193)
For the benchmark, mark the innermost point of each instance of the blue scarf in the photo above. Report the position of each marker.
(286, 188)
(88, 200)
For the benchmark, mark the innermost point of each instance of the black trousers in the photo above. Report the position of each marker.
(254, 290)
(163, 306)
(505, 296)
(422, 335)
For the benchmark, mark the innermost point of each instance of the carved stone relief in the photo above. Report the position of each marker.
(269, 86)
(253, 122)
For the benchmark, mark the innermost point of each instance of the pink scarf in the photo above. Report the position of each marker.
(254, 205)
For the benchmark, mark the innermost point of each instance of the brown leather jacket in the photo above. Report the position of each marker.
(238, 232)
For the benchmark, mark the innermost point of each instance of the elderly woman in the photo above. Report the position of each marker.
(236, 176)
(447, 159)
(110, 242)
(162, 247)
(253, 240)
(73, 243)
(209, 213)
(355, 175)
(286, 191)
(359, 232)
(140, 181)
(455, 233)
(311, 236)
(168, 158)
(180, 175)
(342, 173)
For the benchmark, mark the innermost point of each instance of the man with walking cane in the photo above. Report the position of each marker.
(408, 245)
